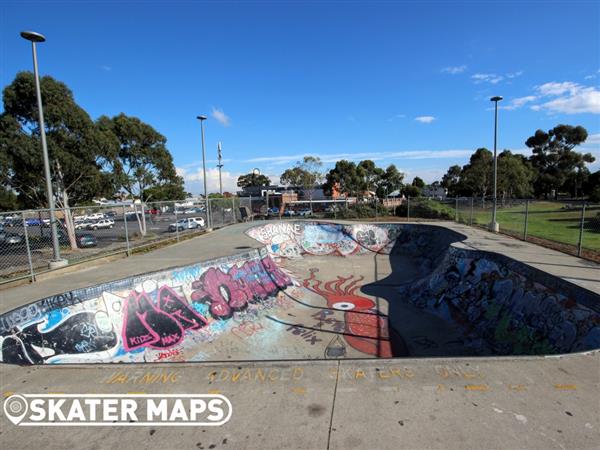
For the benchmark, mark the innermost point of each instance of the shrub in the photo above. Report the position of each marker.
(426, 209)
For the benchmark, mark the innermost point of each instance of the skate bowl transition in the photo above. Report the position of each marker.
(314, 291)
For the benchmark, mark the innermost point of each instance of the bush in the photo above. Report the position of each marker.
(426, 209)
(595, 195)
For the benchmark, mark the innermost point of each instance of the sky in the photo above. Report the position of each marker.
(399, 82)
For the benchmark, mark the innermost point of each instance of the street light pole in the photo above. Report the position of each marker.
(56, 261)
(207, 204)
(494, 226)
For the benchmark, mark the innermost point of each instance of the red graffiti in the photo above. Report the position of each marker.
(229, 292)
(170, 354)
(365, 330)
(159, 325)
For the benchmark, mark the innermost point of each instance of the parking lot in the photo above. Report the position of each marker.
(26, 242)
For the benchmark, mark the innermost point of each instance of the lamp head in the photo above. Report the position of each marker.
(33, 36)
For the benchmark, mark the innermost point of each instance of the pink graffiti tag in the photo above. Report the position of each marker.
(157, 326)
(229, 292)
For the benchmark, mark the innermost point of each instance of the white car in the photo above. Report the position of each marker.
(187, 224)
(96, 216)
(85, 225)
(104, 223)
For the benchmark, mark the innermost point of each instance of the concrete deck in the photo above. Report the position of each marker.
(526, 402)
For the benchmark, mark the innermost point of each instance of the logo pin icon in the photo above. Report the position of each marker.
(15, 408)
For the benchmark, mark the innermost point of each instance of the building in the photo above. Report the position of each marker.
(435, 191)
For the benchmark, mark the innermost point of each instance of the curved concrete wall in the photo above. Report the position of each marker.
(269, 304)
(502, 306)
(171, 314)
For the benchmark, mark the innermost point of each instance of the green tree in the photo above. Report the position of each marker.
(74, 147)
(515, 176)
(591, 187)
(253, 179)
(554, 158)
(477, 176)
(369, 174)
(451, 181)
(411, 191)
(140, 161)
(418, 182)
(343, 177)
(391, 180)
(306, 174)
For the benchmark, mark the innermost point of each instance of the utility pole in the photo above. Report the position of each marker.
(220, 166)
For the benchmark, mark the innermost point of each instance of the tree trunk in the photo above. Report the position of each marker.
(69, 225)
(141, 220)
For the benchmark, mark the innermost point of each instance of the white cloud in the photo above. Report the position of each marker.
(397, 116)
(517, 103)
(514, 74)
(220, 117)
(453, 70)
(425, 119)
(106, 68)
(570, 98)
(554, 88)
(194, 180)
(593, 139)
(487, 78)
(334, 157)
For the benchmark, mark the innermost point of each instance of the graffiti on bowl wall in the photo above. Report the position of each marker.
(364, 328)
(152, 318)
(503, 312)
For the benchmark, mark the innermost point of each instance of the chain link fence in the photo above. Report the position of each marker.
(569, 226)
(84, 233)
(26, 241)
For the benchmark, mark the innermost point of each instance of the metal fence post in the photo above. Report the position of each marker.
(126, 230)
(251, 210)
(526, 219)
(407, 209)
(581, 230)
(233, 215)
(28, 248)
(456, 210)
(177, 224)
(471, 216)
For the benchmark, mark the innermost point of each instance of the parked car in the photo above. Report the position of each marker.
(187, 224)
(86, 240)
(104, 223)
(153, 211)
(305, 212)
(95, 216)
(83, 239)
(33, 222)
(12, 239)
(84, 225)
(11, 221)
(110, 214)
(289, 213)
(274, 211)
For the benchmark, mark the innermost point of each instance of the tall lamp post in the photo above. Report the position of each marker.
(202, 119)
(494, 224)
(56, 261)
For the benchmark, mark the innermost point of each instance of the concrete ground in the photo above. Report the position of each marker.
(524, 402)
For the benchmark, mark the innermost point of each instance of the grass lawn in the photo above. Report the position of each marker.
(547, 220)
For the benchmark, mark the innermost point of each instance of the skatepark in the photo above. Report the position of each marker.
(411, 326)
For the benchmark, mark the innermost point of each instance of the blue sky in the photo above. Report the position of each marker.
(398, 82)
